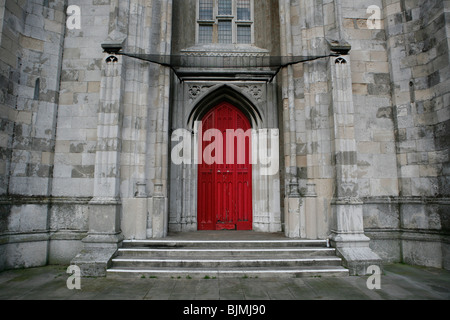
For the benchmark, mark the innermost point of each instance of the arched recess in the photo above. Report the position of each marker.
(226, 93)
(184, 177)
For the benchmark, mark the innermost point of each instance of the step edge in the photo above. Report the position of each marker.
(223, 241)
(310, 259)
(183, 270)
(226, 250)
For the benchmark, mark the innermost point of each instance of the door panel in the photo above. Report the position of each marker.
(225, 189)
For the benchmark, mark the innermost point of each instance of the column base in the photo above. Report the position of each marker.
(96, 256)
(157, 222)
(294, 217)
(355, 252)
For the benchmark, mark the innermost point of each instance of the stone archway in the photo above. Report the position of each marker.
(184, 176)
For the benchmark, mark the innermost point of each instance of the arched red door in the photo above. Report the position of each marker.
(225, 172)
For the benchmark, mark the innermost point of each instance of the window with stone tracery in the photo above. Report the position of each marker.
(225, 22)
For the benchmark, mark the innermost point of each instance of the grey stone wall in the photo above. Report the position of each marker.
(83, 138)
(413, 227)
(30, 64)
(400, 149)
(79, 101)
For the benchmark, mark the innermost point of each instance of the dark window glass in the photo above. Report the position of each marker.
(225, 7)
(225, 32)
(206, 10)
(243, 10)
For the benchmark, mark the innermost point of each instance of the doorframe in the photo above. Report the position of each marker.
(188, 108)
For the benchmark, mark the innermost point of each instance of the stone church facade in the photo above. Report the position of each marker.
(353, 98)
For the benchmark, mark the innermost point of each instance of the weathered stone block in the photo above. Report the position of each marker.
(134, 222)
(381, 215)
(25, 254)
(388, 250)
(423, 253)
(61, 251)
(31, 43)
(69, 216)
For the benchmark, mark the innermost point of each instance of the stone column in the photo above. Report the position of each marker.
(158, 147)
(104, 234)
(134, 186)
(293, 205)
(347, 229)
(311, 215)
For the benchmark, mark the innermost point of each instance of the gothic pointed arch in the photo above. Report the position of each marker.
(226, 93)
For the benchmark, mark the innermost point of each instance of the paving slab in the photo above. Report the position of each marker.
(208, 290)
(398, 282)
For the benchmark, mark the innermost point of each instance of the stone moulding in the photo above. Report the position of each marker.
(408, 234)
(406, 200)
(22, 200)
(225, 51)
(224, 54)
(347, 200)
(21, 237)
(105, 201)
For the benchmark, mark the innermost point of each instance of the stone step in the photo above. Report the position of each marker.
(220, 244)
(205, 273)
(224, 262)
(227, 252)
(251, 257)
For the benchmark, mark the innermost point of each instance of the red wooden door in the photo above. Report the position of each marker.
(225, 187)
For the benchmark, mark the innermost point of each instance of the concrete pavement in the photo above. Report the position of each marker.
(398, 281)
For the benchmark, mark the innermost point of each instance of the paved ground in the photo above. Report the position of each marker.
(398, 282)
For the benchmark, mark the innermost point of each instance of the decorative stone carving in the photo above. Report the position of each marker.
(255, 91)
(225, 50)
(195, 91)
(111, 59)
(225, 54)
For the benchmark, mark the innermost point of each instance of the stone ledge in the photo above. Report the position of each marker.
(408, 234)
(405, 200)
(229, 50)
(24, 200)
(39, 236)
(24, 237)
(355, 252)
(93, 262)
(97, 254)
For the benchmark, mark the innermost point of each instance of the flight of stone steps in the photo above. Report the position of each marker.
(225, 258)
